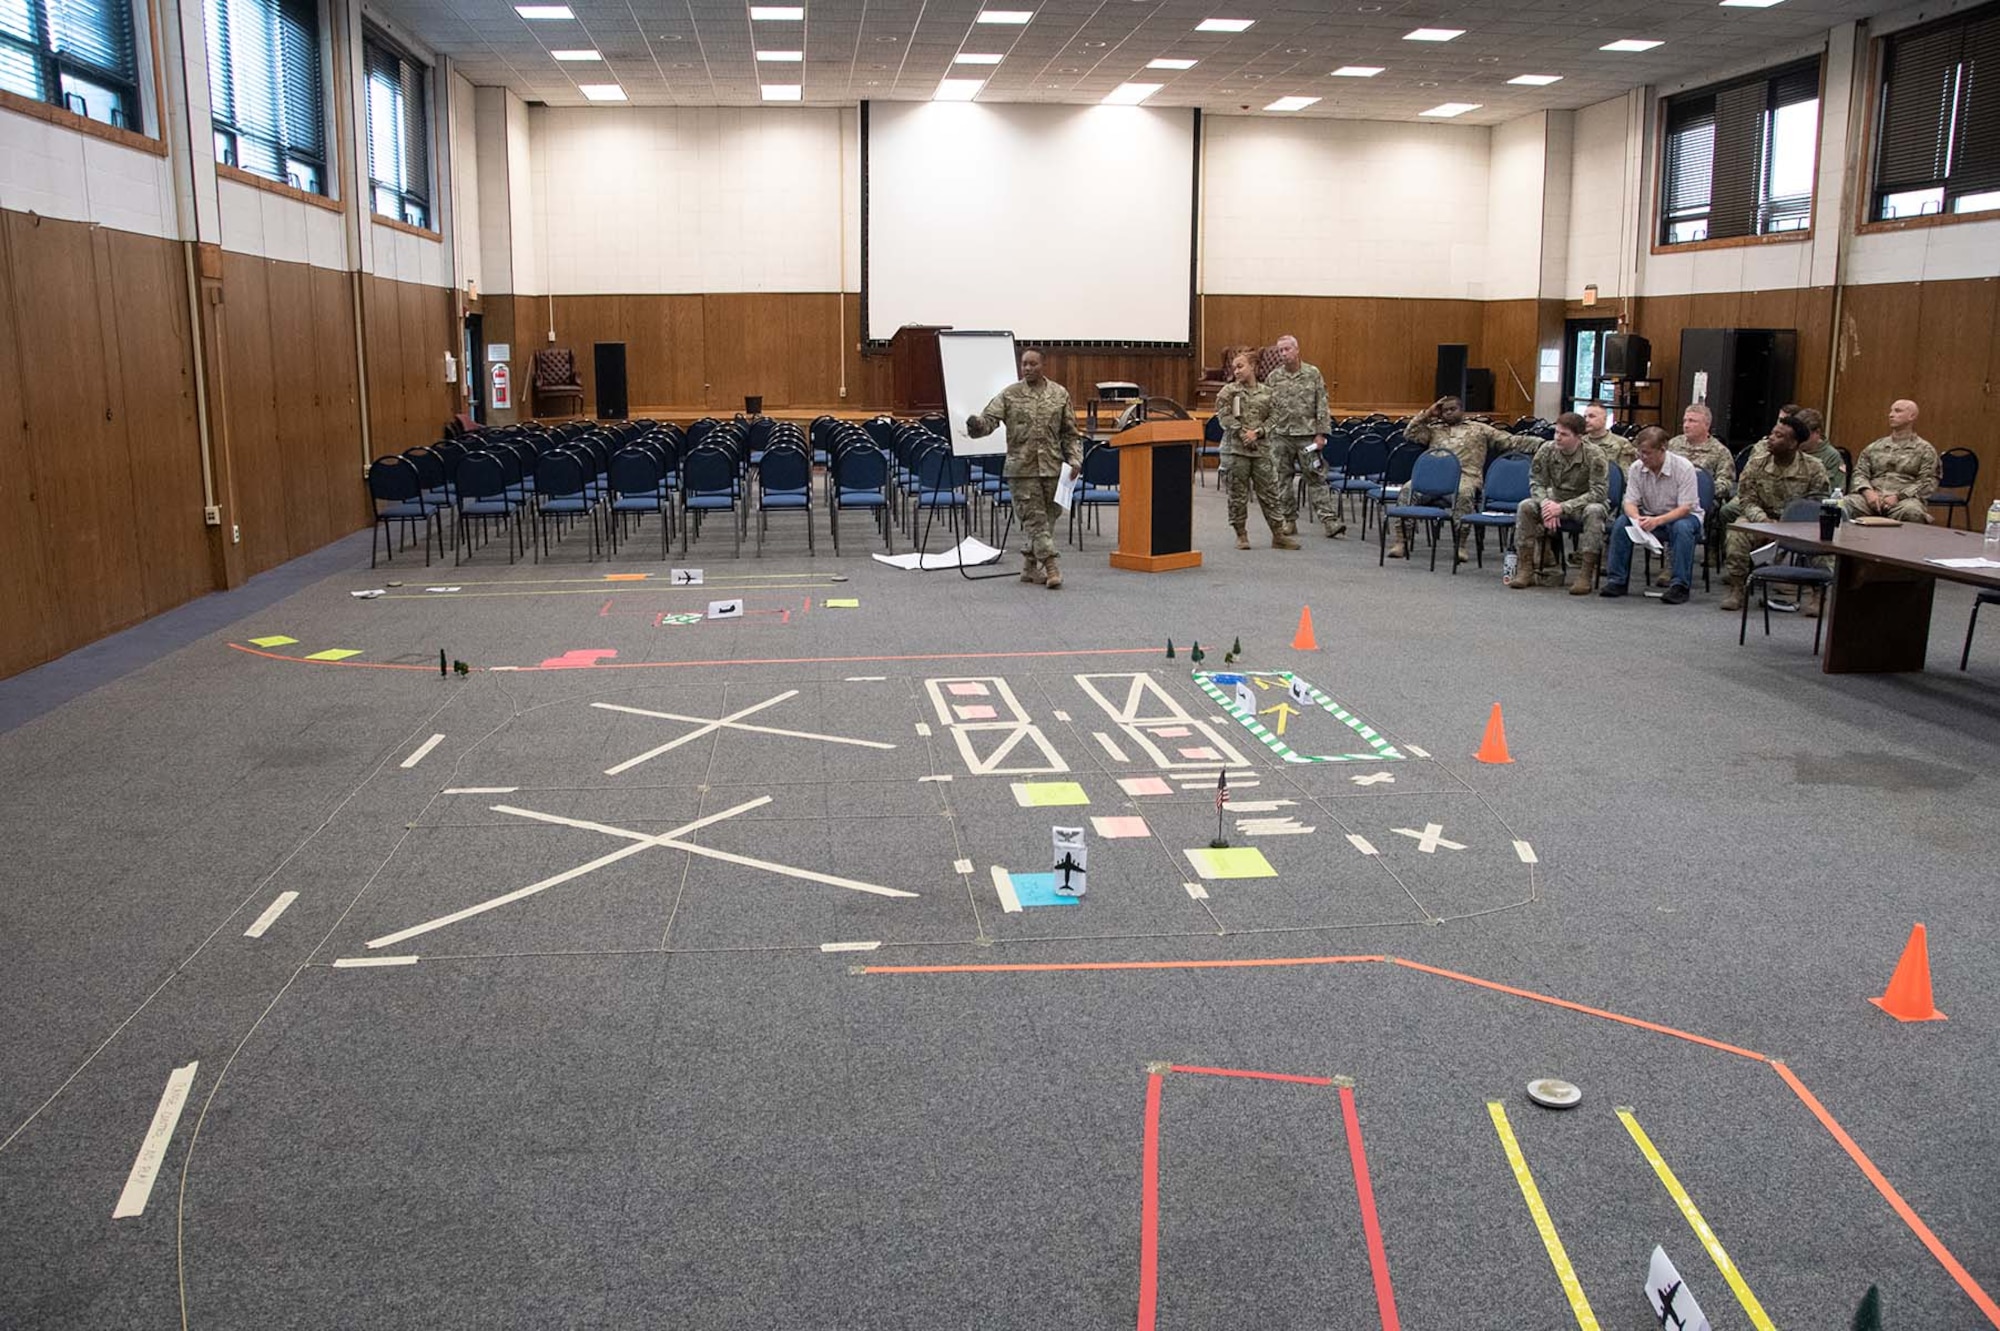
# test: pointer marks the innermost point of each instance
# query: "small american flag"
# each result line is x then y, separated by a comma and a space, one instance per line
1222, 788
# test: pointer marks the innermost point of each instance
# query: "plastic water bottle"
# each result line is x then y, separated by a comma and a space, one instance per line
1993, 530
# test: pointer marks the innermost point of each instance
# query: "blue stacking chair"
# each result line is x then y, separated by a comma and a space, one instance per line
859, 478
1395, 475
1211, 447
1096, 487
1508, 480
1427, 498
1795, 569
396, 487
637, 482
1614, 504
562, 491
1958, 471
1361, 470
784, 485
943, 485
708, 485
1965, 653
486, 495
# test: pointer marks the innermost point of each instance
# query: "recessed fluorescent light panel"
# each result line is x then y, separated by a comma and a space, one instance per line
1630, 44
1013, 16
1447, 110
1357, 71
1131, 94
1171, 64
1536, 80
576, 55
958, 90
1291, 104
776, 13
1434, 34
969, 58
544, 11
602, 92
783, 92
1223, 24
787, 56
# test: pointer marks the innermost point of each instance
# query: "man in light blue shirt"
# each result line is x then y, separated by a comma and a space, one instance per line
1661, 497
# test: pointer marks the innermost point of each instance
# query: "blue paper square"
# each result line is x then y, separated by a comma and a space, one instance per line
1039, 889
1227, 680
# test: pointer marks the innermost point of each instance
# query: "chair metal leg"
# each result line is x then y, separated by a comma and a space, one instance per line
1965, 653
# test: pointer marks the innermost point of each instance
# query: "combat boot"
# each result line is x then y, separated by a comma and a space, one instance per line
1335, 529
1526, 561
1242, 538
1031, 569
1396, 548
1732, 599
1586, 573
1291, 527
1460, 555
1280, 541
1053, 574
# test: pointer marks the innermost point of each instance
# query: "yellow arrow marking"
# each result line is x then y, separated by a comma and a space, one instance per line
1285, 713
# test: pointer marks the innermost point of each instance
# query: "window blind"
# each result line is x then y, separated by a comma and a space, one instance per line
1721, 150
399, 167
265, 87
1938, 117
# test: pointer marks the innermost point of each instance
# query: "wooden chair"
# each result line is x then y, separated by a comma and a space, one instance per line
554, 379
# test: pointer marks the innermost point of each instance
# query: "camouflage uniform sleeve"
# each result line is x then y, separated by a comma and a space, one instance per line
1541, 484
1600, 486
1818, 484
1418, 431
1322, 412
1864, 468
1068, 437
1725, 474
1750, 494
1229, 409
987, 421
1925, 484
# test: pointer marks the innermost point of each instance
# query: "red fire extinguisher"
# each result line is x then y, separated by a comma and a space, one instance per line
503, 388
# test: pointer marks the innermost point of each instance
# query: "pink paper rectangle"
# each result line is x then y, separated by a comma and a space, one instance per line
1120, 827
967, 690
1171, 732
967, 712
1201, 754
1144, 785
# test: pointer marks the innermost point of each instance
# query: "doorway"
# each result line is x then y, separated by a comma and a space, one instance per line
474, 361
1583, 363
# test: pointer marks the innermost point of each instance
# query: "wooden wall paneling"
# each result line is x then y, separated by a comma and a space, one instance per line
868, 386
1954, 349
497, 325
813, 327
382, 341
1878, 360
335, 405
148, 280
1659, 319
300, 485
1507, 344
737, 355
251, 404
581, 323
684, 355
27, 605
84, 482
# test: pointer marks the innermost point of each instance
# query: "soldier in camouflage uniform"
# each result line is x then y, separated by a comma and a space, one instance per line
1814, 445
1443, 425
1568, 481
1244, 407
1771, 479
1041, 436
1897, 473
1617, 449
1702, 448
1297, 434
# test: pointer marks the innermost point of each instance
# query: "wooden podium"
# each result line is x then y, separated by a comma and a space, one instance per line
1156, 496
916, 376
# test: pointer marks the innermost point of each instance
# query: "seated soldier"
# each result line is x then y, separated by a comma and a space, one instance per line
1661, 497
1770, 480
1568, 481
1813, 446
1617, 449
1443, 425
1699, 446
1895, 474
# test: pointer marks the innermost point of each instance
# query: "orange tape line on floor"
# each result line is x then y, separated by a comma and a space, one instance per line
1112, 965
748, 661
1895, 1199
1579, 1007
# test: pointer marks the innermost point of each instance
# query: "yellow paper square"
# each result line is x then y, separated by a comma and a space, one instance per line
275, 640
844, 603
1233, 862
334, 654
1048, 794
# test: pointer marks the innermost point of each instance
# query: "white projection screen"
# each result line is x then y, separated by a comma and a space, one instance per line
1064, 223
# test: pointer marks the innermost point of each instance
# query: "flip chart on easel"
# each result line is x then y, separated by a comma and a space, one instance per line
976, 366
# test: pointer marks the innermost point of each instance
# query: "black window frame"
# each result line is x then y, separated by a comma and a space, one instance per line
1724, 132
1936, 124
52, 60
292, 149
384, 60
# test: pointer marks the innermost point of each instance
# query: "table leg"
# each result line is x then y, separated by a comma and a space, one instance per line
1879, 620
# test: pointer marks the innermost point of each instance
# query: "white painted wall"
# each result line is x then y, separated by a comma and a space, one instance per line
523, 193
271, 226
668, 200
1602, 216
61, 173
463, 161
1514, 208
1344, 208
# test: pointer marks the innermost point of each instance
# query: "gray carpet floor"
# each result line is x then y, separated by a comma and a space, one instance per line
624, 1082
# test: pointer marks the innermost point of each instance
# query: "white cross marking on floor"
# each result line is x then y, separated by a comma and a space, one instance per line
709, 726
1429, 839
1373, 779
670, 840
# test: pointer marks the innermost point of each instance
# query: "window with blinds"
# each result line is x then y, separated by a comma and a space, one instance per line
264, 89
1937, 132
399, 134
78, 54
1739, 157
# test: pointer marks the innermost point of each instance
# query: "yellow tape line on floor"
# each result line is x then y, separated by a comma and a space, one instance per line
1586, 1320
1753, 1309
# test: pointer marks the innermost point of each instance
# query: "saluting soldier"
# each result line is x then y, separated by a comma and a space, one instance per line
1897, 473
1297, 433
1443, 425
1781, 473
1041, 436
1244, 408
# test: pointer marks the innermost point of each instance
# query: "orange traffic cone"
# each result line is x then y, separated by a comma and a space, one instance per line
1493, 748
1909, 995
1303, 640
